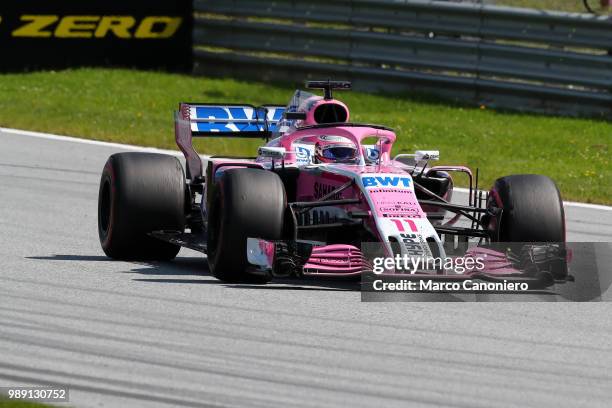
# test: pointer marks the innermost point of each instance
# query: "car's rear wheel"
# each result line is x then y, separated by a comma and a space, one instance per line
140, 193
246, 203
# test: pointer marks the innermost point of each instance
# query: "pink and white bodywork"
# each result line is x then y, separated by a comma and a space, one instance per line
335, 207
387, 202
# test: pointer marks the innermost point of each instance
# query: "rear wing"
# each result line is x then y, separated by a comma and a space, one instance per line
228, 120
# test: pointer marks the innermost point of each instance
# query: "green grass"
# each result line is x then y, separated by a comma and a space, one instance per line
136, 107
6, 403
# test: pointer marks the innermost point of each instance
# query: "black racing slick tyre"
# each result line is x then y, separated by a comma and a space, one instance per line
531, 209
246, 203
140, 193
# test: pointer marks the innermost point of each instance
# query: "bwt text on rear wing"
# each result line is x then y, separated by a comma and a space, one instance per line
209, 120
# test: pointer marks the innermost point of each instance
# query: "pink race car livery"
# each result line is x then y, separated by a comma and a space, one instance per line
316, 195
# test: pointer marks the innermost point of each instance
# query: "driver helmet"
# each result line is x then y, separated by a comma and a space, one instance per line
335, 149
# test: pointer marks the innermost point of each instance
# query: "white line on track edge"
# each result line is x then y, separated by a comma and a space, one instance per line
60, 138
50, 136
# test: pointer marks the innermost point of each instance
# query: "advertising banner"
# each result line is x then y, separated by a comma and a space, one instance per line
41, 34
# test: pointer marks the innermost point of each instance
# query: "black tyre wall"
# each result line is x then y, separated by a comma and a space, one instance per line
140, 193
532, 209
245, 203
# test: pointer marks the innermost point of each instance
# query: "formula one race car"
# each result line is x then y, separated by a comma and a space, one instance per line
320, 188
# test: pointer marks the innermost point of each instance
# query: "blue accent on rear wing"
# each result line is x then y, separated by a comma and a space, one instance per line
234, 120
221, 120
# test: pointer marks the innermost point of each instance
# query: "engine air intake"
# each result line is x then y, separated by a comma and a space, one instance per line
330, 113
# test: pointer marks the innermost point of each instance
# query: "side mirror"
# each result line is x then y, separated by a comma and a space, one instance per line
272, 152
422, 155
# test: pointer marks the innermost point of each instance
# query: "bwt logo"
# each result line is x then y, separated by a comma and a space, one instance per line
372, 154
236, 118
386, 181
302, 153
124, 27
228, 113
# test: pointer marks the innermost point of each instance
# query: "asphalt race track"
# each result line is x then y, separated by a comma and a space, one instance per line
168, 334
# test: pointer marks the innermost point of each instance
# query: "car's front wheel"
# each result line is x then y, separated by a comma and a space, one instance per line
531, 210
246, 203
530, 222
